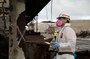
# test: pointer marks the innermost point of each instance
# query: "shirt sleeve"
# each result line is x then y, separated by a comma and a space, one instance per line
70, 36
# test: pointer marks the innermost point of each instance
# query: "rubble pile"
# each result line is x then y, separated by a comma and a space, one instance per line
84, 34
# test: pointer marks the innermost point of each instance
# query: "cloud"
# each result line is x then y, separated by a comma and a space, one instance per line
78, 9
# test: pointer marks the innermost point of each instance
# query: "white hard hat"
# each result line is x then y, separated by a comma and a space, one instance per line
63, 14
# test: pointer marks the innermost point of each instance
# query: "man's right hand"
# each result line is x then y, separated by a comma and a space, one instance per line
55, 45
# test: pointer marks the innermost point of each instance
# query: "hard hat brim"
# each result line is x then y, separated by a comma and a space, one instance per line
62, 17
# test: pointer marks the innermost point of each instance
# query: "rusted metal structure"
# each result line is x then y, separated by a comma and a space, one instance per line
33, 7
34, 46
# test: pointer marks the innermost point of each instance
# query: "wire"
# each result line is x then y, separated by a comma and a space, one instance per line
51, 13
51, 8
22, 35
46, 13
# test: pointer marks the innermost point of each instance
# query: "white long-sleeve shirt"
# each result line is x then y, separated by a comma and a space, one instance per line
67, 39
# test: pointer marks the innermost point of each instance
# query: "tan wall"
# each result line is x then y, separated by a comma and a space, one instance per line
79, 25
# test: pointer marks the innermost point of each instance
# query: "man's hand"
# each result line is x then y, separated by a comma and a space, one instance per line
55, 45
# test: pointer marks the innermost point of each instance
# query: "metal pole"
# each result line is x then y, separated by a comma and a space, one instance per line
13, 31
36, 23
51, 10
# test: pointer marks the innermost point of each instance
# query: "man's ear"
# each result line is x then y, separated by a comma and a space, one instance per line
68, 21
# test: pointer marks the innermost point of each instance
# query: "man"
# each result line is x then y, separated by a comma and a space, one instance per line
66, 39
55, 34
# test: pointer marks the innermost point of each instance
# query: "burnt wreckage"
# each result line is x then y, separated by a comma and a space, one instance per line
33, 44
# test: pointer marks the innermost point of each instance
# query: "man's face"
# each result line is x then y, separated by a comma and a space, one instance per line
64, 20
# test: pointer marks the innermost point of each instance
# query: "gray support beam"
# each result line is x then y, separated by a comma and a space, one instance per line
13, 31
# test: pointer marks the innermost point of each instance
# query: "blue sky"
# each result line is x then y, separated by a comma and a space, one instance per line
77, 9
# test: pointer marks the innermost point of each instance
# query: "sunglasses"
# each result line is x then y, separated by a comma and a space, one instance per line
62, 18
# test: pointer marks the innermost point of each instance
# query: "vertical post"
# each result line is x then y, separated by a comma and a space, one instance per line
36, 23
13, 30
51, 10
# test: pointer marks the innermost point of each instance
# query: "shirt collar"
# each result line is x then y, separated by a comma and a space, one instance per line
67, 24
